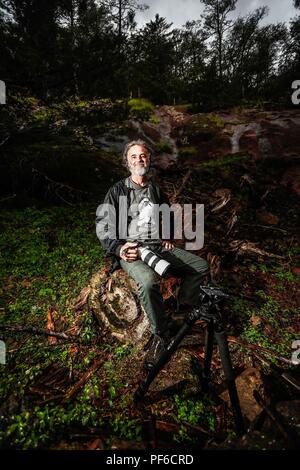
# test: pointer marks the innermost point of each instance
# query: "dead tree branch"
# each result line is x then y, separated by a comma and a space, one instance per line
35, 330
255, 347
75, 389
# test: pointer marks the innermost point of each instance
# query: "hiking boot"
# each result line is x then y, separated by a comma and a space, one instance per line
184, 308
157, 348
160, 342
171, 329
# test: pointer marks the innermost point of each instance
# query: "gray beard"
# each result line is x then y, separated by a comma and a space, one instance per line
139, 171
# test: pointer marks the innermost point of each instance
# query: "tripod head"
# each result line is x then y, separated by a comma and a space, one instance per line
213, 295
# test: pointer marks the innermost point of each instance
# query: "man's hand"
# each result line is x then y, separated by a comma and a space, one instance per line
129, 252
168, 244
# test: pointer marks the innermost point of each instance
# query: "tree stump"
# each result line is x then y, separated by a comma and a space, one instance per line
115, 302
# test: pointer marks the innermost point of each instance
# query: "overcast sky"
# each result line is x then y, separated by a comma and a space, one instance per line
180, 11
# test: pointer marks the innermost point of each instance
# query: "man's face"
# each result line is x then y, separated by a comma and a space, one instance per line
138, 160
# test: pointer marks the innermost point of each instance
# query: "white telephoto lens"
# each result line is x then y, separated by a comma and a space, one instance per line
159, 265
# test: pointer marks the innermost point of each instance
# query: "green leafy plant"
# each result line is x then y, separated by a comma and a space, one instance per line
194, 412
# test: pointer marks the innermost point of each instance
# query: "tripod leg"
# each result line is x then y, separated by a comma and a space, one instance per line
163, 359
209, 345
227, 366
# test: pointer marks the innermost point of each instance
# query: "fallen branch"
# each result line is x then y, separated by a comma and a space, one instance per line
51, 327
7, 198
35, 330
197, 429
283, 374
267, 227
244, 247
5, 140
174, 428
57, 183
75, 389
273, 416
221, 198
49, 400
255, 347
82, 298
182, 186
56, 186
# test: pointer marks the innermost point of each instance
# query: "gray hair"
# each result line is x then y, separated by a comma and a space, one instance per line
139, 142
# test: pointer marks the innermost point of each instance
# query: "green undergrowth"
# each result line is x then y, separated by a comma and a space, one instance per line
193, 412
47, 257
74, 111
226, 161
101, 403
208, 121
269, 324
140, 108
45, 254
60, 167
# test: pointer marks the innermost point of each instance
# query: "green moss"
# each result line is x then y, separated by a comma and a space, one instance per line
154, 119
186, 152
216, 120
140, 108
163, 147
225, 161
201, 121
39, 116
48, 256
283, 274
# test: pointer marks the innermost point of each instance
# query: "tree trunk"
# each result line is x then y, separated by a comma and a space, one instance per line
220, 40
74, 65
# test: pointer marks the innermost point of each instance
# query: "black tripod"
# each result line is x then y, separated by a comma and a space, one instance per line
210, 312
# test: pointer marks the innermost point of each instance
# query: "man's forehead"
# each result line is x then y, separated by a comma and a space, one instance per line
137, 149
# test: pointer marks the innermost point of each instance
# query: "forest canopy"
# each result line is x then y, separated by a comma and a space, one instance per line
94, 48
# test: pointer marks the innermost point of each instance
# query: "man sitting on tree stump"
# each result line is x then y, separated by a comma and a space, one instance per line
128, 222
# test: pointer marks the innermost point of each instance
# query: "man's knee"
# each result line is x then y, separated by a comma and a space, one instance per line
149, 282
203, 267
